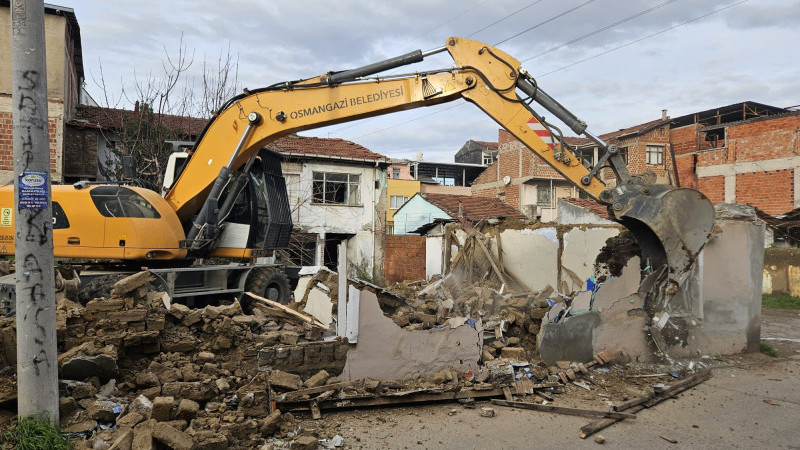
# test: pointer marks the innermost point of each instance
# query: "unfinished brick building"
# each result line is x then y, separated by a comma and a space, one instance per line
746, 153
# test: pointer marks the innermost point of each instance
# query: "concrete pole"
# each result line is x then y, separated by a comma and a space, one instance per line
37, 355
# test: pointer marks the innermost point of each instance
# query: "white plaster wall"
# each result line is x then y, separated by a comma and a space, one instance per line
581, 247
360, 254
531, 256
433, 256
336, 218
569, 214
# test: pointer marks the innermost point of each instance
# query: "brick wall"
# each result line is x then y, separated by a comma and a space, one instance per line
7, 142
771, 191
713, 187
765, 139
405, 258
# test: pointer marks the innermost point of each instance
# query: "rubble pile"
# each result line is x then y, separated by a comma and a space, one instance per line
137, 370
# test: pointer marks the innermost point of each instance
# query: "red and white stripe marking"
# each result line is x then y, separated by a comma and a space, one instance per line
542, 132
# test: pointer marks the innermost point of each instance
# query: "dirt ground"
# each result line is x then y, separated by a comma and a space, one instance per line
752, 401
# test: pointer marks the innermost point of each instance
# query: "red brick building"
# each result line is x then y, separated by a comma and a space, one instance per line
528, 183
746, 153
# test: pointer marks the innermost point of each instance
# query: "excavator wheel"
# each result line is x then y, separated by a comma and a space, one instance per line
271, 283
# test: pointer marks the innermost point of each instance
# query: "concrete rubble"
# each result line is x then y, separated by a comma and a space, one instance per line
139, 371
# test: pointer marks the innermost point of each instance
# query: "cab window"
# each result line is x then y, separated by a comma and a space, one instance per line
119, 201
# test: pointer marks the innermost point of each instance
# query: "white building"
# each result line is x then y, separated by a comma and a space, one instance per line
337, 191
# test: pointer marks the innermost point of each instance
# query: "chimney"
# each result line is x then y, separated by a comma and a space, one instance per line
663, 114
136, 106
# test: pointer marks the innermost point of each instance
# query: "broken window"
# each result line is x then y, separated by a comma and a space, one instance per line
544, 196
336, 188
655, 154
396, 201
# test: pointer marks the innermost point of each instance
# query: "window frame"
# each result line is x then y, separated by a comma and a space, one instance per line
539, 193
655, 150
352, 185
394, 197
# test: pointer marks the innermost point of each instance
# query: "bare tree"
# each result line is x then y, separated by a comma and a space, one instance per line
168, 106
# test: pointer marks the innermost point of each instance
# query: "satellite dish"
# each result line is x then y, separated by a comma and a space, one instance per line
506, 180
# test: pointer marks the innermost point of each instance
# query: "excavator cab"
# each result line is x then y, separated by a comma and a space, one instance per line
255, 218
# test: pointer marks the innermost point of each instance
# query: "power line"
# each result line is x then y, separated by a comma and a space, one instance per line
506, 17
544, 22
567, 66
600, 30
409, 121
643, 38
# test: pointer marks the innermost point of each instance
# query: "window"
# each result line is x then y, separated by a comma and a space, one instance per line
119, 201
655, 154
389, 229
336, 188
587, 155
544, 195
396, 201
60, 220
395, 173
623, 151
445, 181
487, 158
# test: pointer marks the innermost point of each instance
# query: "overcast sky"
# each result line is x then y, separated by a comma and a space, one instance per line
614, 63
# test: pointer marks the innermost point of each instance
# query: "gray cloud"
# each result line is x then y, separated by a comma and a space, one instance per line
742, 53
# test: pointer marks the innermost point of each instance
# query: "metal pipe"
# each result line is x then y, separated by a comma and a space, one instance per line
398, 61
434, 51
549, 103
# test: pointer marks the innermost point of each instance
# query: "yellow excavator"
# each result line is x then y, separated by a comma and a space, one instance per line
229, 200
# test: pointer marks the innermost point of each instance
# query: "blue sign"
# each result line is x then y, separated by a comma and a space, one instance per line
33, 189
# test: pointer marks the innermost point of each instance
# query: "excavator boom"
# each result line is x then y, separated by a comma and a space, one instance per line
672, 224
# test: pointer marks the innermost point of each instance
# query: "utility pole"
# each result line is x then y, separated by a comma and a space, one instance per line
37, 354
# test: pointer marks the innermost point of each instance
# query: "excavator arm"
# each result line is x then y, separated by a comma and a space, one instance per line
672, 224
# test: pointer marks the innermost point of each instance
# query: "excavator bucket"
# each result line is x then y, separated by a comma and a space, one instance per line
671, 225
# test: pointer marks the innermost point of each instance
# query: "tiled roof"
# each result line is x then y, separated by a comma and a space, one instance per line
619, 134
112, 118
314, 146
590, 205
475, 208
489, 145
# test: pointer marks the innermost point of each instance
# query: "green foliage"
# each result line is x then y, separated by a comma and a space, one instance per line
32, 434
767, 349
780, 301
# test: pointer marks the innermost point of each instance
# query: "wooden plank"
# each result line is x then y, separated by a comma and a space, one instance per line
288, 312
383, 401
564, 410
507, 394
490, 258
683, 385
296, 395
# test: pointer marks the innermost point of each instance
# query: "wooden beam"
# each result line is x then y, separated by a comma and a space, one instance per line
296, 395
564, 410
276, 308
683, 385
394, 400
